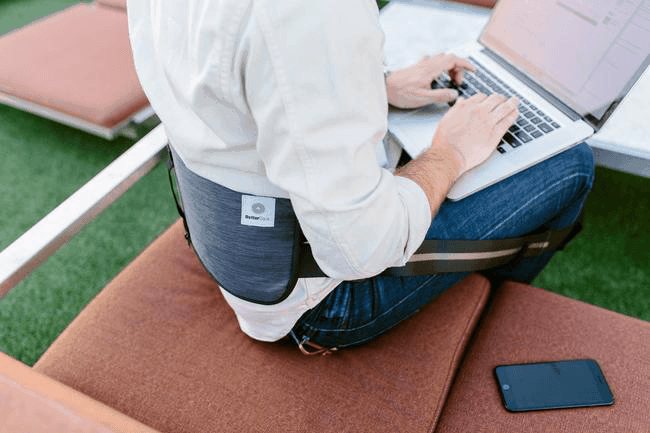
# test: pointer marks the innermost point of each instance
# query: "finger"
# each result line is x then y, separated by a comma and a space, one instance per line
506, 108
446, 62
452, 61
477, 98
457, 74
506, 122
492, 101
442, 95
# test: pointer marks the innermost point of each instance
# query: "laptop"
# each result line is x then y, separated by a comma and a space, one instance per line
570, 62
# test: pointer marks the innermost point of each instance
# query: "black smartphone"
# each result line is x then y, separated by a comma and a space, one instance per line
553, 385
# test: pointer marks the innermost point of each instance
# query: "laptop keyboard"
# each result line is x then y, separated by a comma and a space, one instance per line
532, 122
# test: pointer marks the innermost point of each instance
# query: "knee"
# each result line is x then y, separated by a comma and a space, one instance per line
585, 160
582, 165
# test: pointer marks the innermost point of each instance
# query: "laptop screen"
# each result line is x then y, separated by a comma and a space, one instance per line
587, 53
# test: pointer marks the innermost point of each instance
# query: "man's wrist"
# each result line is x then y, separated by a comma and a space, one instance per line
435, 171
456, 160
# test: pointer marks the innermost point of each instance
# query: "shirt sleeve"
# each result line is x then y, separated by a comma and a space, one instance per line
313, 79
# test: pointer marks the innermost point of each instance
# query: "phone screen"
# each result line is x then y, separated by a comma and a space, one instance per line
553, 385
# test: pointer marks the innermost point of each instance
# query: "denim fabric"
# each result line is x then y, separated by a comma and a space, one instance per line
550, 194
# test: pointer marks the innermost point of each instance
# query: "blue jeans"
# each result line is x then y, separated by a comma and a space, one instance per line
550, 194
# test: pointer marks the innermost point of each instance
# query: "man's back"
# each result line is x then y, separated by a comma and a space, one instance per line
285, 98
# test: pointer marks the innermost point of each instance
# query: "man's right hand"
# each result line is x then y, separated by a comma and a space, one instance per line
473, 127
466, 136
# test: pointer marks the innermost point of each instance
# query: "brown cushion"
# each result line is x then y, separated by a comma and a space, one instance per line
526, 324
77, 62
160, 344
119, 4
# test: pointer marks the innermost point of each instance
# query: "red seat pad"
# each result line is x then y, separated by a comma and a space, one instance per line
160, 344
525, 324
78, 62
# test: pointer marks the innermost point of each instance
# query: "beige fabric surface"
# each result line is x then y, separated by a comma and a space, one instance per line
160, 345
526, 324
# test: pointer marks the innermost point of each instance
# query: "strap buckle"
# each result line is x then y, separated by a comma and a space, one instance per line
310, 348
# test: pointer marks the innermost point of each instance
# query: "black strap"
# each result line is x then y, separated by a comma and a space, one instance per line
439, 256
179, 205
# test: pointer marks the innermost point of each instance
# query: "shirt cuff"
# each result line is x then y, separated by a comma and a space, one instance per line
419, 214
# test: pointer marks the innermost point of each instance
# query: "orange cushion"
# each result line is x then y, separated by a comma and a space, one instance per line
160, 344
525, 324
78, 62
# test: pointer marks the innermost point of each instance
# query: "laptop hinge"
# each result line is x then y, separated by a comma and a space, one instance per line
568, 111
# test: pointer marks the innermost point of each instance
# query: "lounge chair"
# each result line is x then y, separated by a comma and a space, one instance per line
75, 67
159, 350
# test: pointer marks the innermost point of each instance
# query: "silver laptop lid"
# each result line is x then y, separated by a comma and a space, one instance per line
586, 53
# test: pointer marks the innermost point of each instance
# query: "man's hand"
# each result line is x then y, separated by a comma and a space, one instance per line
467, 134
411, 87
473, 127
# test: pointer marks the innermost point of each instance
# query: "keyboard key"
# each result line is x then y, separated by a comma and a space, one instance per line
529, 128
555, 125
511, 140
536, 134
501, 149
535, 120
544, 127
522, 136
528, 114
522, 122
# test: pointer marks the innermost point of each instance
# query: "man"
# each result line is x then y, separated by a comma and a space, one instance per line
287, 99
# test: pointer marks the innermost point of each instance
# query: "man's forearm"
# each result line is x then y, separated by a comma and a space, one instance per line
435, 171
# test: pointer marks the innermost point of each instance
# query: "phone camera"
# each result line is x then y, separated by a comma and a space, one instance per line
506, 387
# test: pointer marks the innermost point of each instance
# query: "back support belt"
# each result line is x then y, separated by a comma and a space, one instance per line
254, 248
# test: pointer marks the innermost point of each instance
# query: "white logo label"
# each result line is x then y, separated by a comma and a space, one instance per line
257, 211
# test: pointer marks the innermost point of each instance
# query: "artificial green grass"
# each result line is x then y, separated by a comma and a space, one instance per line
43, 162
607, 264
17, 13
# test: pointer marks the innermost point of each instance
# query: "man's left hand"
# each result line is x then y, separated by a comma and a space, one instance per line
411, 87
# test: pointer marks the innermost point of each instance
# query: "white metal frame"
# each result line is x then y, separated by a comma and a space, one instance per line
627, 160
75, 122
36, 245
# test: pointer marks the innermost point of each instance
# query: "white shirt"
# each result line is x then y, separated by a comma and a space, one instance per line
285, 98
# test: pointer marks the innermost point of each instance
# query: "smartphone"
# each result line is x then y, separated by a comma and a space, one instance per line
553, 385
